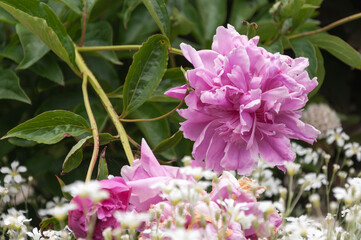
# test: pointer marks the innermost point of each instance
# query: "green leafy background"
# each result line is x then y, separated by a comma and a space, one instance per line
38, 73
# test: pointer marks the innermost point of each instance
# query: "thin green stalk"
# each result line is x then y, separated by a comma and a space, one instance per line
94, 127
328, 27
156, 118
121, 48
108, 106
290, 193
83, 30
295, 201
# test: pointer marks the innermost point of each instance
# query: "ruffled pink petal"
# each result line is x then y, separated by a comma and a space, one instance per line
177, 92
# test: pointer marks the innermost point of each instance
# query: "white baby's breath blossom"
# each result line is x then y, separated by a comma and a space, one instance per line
182, 234
13, 173
353, 149
337, 135
35, 234
60, 212
313, 181
90, 190
292, 168
131, 220
14, 219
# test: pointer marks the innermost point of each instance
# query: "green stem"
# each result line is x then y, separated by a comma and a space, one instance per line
156, 118
290, 193
121, 48
108, 106
83, 30
328, 27
94, 127
295, 201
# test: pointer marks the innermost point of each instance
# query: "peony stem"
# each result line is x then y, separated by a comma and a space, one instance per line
83, 30
157, 118
108, 106
121, 48
94, 127
328, 27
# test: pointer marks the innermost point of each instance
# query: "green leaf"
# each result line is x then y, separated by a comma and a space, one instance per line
266, 30
304, 48
102, 167
277, 46
243, 10
101, 34
62, 184
48, 67
337, 47
305, 13
159, 12
173, 77
320, 73
213, 14
128, 8
198, 32
50, 127
43, 22
6, 17
168, 143
21, 142
139, 27
155, 131
74, 5
75, 156
50, 224
145, 73
34, 48
10, 86
180, 24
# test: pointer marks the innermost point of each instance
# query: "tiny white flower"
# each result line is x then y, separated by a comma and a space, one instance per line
292, 168
313, 181
59, 212
132, 219
337, 135
182, 234
90, 189
13, 173
35, 234
353, 149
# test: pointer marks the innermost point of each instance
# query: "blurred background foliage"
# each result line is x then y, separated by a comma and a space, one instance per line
34, 80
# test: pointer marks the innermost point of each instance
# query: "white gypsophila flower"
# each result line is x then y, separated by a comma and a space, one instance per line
14, 219
337, 135
313, 181
35, 234
182, 234
56, 202
314, 198
266, 207
196, 172
60, 212
186, 160
298, 149
131, 220
4, 194
302, 228
310, 157
13, 173
292, 168
91, 189
322, 117
353, 149
265, 178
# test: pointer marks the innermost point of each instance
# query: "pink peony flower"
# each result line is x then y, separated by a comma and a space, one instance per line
246, 101
119, 194
143, 174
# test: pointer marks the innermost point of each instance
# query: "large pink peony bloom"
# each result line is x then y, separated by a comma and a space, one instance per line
144, 174
246, 101
119, 194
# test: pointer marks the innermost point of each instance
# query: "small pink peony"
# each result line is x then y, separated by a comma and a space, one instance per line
246, 101
143, 174
119, 194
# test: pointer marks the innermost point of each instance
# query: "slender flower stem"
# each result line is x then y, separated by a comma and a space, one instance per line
83, 30
108, 106
94, 127
328, 27
290, 193
121, 48
157, 118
